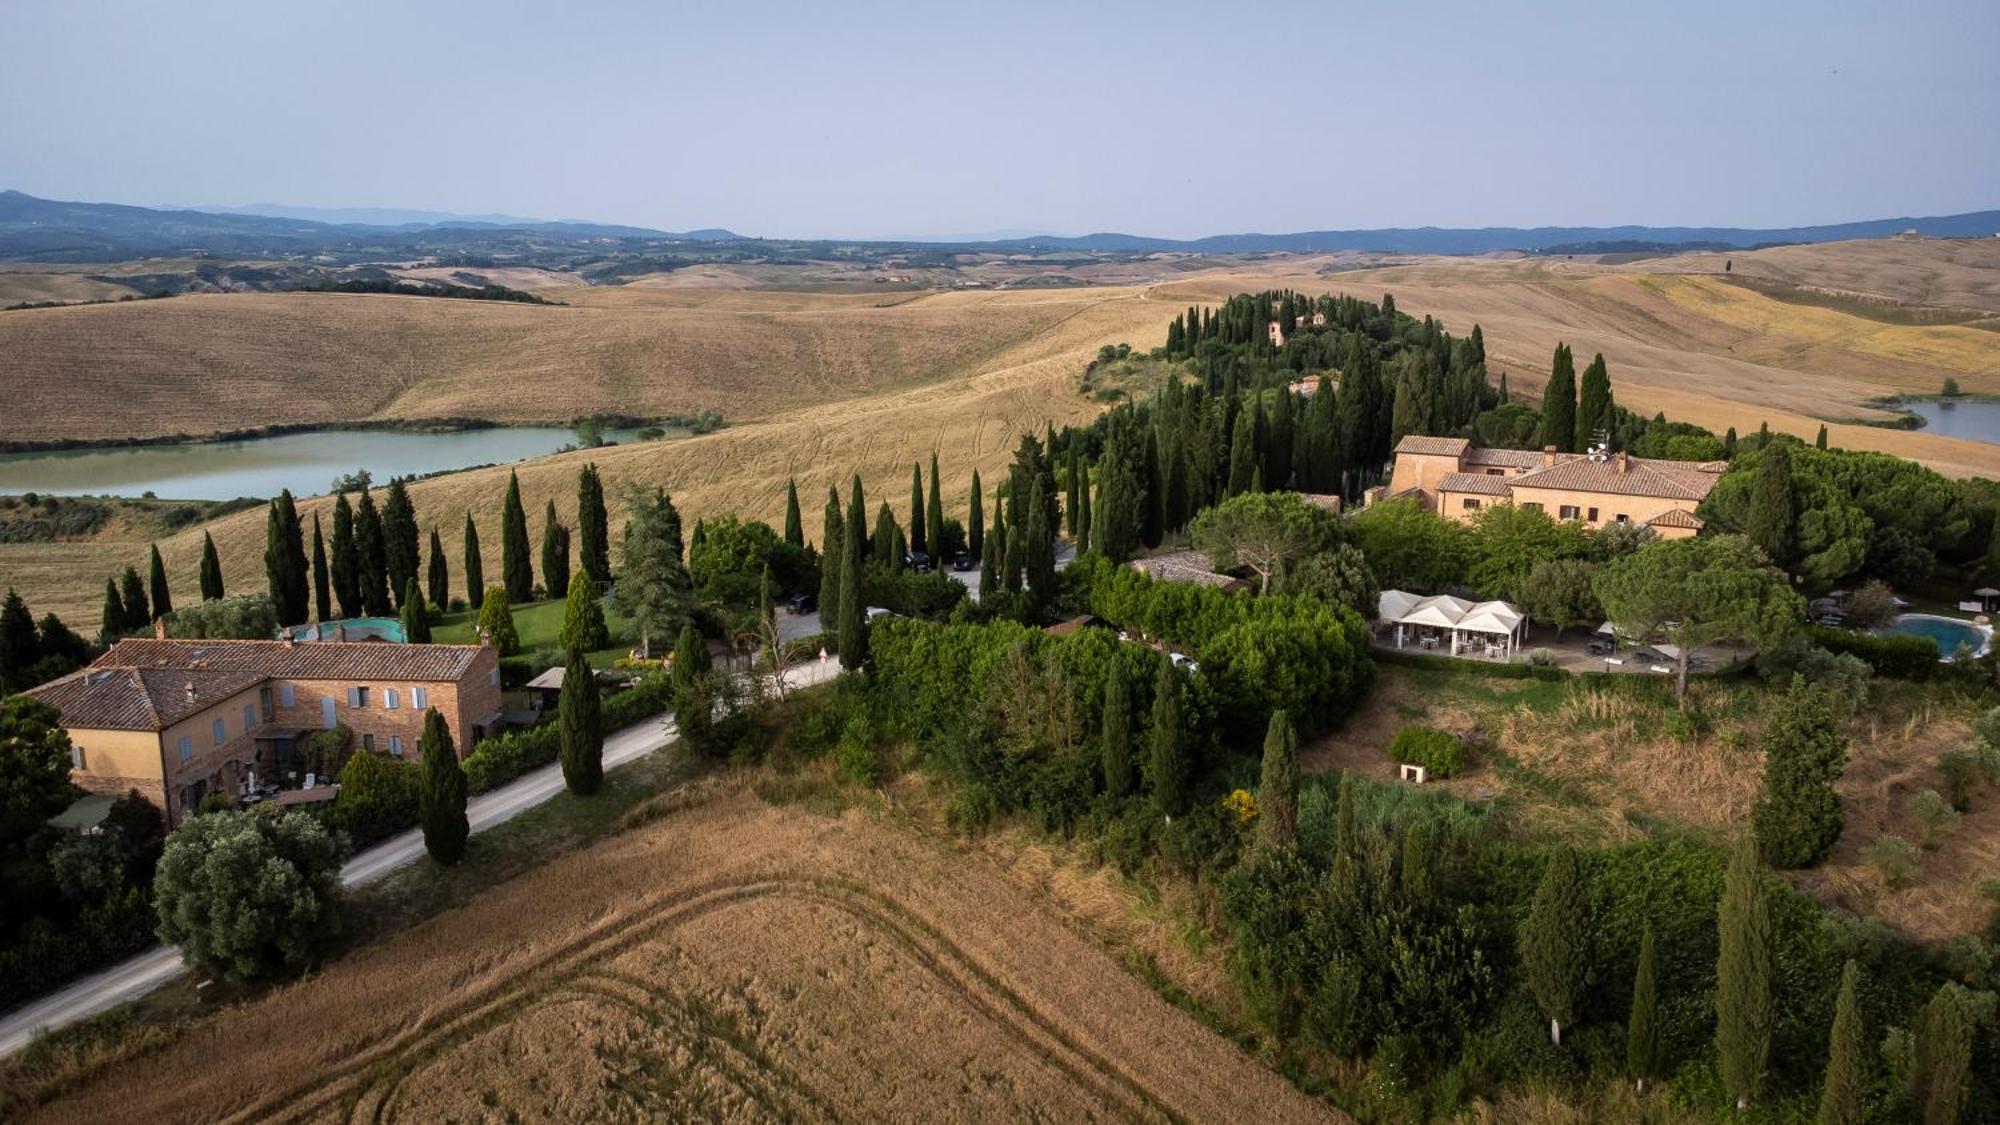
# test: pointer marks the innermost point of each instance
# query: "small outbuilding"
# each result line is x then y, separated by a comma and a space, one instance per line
1465, 625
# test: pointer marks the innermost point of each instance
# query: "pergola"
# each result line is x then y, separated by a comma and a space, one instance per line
1458, 617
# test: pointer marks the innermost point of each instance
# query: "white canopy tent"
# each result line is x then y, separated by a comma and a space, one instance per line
1459, 618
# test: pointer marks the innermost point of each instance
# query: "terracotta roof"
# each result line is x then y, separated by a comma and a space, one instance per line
318, 660
1669, 480
1182, 566
99, 698
1327, 500
1675, 517
1433, 446
1483, 483
1511, 458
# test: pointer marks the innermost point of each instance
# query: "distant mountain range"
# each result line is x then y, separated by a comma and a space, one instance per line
52, 230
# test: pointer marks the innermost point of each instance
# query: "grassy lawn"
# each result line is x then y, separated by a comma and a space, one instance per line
537, 623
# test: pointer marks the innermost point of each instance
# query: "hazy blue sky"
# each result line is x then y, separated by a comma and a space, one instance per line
858, 119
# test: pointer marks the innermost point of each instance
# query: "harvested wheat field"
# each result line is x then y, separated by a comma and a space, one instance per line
733, 962
210, 363
972, 418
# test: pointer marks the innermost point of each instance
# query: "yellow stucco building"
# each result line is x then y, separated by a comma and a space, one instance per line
1457, 480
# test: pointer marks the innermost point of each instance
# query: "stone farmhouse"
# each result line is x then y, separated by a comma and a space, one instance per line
1456, 480
177, 720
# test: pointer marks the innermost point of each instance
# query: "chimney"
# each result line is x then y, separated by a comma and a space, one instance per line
1548, 456
189, 688
1624, 461
159, 628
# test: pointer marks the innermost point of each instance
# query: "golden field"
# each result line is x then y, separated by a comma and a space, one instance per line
731, 962
818, 384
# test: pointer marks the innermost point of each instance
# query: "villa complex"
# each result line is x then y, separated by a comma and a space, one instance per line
177, 720
1457, 480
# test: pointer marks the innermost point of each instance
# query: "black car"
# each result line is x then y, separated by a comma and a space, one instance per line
917, 561
802, 604
961, 562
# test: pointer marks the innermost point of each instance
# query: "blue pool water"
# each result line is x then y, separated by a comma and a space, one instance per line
1950, 633
354, 629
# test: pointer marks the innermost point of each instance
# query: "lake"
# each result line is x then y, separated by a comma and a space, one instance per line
1974, 421
306, 463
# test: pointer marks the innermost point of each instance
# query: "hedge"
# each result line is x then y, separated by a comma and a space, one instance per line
1436, 663
505, 757
1439, 752
1899, 657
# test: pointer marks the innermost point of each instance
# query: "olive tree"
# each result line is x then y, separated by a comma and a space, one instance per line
248, 896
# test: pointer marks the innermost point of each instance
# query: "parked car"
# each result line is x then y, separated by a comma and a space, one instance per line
1183, 661
961, 562
1601, 648
917, 561
802, 604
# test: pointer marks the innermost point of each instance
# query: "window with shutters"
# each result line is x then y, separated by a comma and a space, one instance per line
249, 715
389, 699
368, 742
287, 694
187, 748
357, 697
1592, 516
220, 731
76, 757
396, 745
420, 698
1567, 511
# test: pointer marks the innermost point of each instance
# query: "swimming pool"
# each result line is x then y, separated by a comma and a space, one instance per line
353, 629
1950, 633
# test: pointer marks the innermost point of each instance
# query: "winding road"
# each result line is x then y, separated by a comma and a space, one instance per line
129, 980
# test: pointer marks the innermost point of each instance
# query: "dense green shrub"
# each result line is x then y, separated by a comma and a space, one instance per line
247, 896
1900, 657
504, 757
1441, 753
379, 797
244, 617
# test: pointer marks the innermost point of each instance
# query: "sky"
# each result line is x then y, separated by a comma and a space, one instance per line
867, 120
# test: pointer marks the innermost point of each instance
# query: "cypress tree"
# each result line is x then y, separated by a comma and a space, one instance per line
517, 573
322, 581
1729, 444
1840, 1097
496, 621
416, 614
156, 580
285, 560
211, 569
475, 573
1593, 405
372, 552
1013, 558
994, 561
1038, 550
1083, 519
345, 565
114, 614
1797, 817
132, 592
20, 648
399, 538
852, 613
1559, 402
1820, 441
1168, 775
975, 527
1505, 397
440, 574
919, 536
583, 619
1555, 942
934, 515
884, 539
1243, 459
555, 553
1642, 1028
1152, 513
1278, 789
442, 799
1072, 464
1115, 746
1115, 521
593, 533
579, 714
694, 704
1743, 976
1772, 523
832, 555
1940, 1080
795, 530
